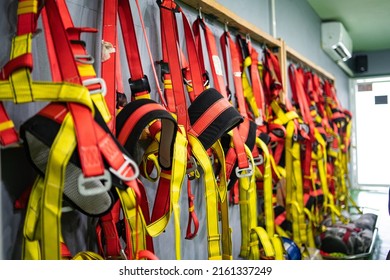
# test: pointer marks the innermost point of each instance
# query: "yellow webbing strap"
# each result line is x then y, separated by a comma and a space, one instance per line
133, 215
252, 235
268, 202
310, 233
178, 174
298, 197
294, 209
267, 185
27, 7
62, 149
176, 181
43, 217
30, 247
278, 247
227, 246
211, 195
88, 255
248, 208
247, 88
259, 237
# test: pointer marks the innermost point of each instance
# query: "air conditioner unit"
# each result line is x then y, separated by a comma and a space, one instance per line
336, 41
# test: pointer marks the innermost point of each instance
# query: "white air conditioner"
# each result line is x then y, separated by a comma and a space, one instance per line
336, 41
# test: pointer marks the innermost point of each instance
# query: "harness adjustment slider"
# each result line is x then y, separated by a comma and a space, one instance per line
87, 189
140, 85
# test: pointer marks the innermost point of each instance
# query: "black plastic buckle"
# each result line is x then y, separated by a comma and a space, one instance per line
139, 85
164, 69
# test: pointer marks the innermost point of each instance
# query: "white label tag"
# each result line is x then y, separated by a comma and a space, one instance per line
217, 65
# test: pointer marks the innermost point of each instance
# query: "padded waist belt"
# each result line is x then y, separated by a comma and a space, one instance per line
137, 115
93, 196
211, 116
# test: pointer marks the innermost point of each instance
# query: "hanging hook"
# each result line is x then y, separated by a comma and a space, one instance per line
248, 38
226, 26
200, 13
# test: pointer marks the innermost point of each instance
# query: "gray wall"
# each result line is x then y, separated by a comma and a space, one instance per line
296, 23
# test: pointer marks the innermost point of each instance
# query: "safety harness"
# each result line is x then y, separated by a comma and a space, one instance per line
72, 119
209, 117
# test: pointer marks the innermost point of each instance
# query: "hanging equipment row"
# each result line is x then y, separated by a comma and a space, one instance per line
221, 119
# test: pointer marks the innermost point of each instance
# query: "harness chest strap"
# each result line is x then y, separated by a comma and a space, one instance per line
109, 65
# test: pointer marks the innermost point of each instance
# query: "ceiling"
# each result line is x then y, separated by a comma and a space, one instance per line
366, 21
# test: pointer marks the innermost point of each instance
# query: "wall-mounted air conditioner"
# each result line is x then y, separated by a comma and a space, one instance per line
336, 41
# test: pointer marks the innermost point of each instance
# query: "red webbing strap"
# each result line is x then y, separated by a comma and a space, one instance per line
257, 87
194, 61
166, 76
169, 35
299, 95
27, 22
318, 97
8, 133
228, 44
109, 67
54, 67
272, 79
90, 157
215, 63
22, 61
112, 246
132, 51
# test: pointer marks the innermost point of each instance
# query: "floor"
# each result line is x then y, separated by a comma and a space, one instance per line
376, 200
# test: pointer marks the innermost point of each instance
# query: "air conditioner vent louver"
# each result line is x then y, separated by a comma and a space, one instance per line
342, 53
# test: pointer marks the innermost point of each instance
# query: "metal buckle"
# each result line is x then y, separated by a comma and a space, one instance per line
105, 179
191, 171
84, 58
244, 172
92, 81
128, 161
258, 160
